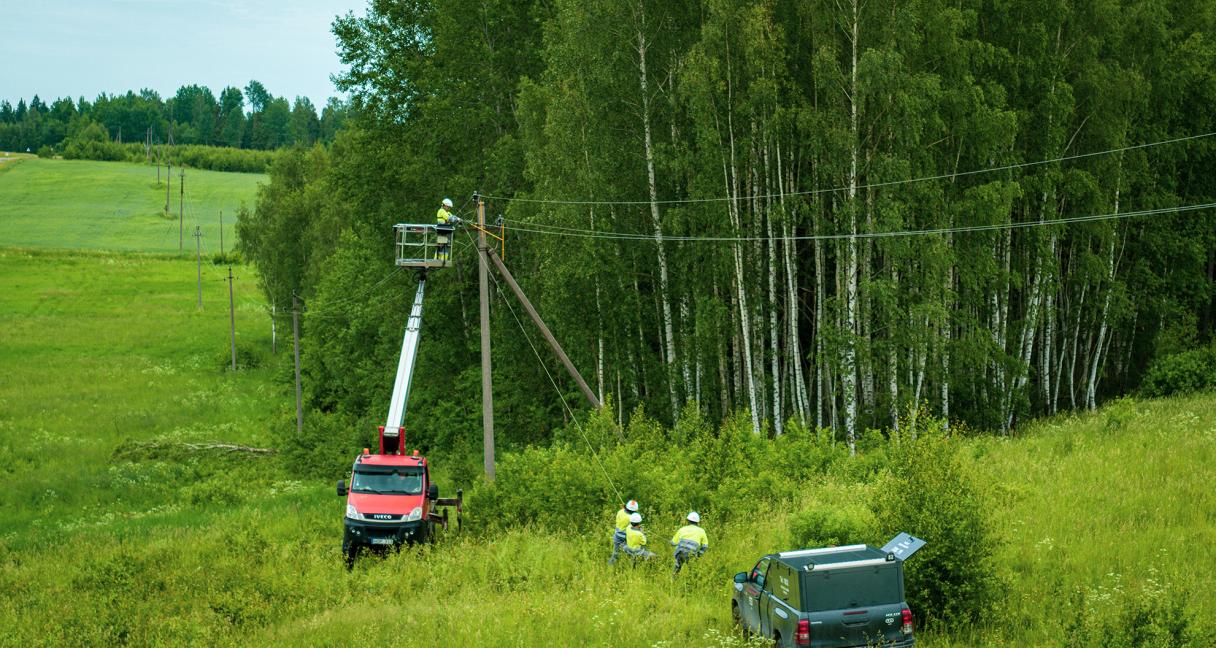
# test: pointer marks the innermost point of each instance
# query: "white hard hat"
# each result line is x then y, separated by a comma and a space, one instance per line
631, 505
635, 518
447, 202
694, 518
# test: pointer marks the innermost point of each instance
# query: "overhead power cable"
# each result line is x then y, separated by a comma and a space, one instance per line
872, 185
552, 230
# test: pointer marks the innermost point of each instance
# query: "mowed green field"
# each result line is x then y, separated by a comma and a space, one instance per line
119, 525
83, 205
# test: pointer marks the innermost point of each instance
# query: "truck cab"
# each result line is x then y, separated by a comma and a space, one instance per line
389, 502
830, 597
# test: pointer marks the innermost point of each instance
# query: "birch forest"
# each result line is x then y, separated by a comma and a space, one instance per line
834, 214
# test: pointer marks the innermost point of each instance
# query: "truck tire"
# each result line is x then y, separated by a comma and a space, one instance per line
737, 618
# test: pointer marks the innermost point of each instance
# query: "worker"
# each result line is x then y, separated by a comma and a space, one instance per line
690, 541
635, 539
445, 223
622, 525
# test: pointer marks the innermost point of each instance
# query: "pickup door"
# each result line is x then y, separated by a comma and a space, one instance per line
753, 595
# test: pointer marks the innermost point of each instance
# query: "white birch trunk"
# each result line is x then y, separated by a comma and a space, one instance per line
668, 328
848, 369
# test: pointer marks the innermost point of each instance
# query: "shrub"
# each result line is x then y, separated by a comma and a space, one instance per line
933, 496
827, 524
1181, 373
46, 152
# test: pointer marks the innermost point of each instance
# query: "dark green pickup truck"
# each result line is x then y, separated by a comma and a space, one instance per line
833, 597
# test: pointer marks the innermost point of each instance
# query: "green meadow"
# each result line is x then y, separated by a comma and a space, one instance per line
126, 519
83, 205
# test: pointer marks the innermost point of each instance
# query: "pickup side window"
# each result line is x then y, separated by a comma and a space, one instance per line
760, 572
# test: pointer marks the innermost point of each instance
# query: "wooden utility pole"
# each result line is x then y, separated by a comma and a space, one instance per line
487, 394
544, 330
181, 212
231, 318
168, 170
295, 337
198, 246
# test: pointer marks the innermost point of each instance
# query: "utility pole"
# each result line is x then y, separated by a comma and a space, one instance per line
181, 211
295, 336
231, 318
168, 180
487, 394
198, 245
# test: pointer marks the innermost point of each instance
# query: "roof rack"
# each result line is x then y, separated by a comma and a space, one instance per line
869, 562
803, 553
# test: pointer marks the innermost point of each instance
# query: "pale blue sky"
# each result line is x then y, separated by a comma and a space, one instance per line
56, 48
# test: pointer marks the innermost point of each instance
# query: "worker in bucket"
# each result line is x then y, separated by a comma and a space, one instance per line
635, 539
622, 525
445, 225
690, 541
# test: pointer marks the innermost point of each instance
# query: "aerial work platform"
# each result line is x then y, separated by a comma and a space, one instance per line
423, 245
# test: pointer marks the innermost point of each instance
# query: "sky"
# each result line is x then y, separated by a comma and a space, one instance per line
58, 48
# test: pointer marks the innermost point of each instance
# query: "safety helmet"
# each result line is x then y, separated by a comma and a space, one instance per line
635, 518
694, 518
447, 202
632, 505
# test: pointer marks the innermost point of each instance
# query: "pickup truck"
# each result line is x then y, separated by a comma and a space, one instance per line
830, 597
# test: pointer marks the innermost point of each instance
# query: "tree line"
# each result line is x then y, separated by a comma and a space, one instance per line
710, 198
251, 118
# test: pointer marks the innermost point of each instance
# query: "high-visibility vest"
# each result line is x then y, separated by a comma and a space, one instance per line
622, 520
635, 540
692, 533
442, 216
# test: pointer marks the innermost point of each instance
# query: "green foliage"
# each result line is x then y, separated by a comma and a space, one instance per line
1181, 373
46, 152
91, 142
826, 524
953, 580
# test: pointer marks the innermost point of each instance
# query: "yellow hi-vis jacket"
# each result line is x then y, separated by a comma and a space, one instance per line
622, 520
691, 532
442, 216
635, 540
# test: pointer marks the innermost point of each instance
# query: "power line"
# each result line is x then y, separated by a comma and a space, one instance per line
872, 185
533, 228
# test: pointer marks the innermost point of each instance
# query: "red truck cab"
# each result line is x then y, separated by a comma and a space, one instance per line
391, 501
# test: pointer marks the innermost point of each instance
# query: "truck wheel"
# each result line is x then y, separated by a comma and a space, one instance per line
738, 619
777, 639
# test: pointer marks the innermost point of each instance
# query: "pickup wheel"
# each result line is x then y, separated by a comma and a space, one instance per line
777, 639
737, 619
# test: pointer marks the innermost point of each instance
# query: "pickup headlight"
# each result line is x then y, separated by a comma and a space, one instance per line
414, 515
352, 512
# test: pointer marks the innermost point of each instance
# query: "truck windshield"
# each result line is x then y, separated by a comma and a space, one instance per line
393, 481
851, 588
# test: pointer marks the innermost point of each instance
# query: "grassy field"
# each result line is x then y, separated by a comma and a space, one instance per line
118, 525
82, 205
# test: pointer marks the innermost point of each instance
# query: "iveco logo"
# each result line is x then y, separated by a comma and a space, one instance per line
381, 516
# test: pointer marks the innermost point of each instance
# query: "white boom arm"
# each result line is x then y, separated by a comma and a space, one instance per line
405, 366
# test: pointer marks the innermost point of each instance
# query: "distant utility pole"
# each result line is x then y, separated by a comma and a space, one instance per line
168, 169
181, 211
487, 386
231, 318
295, 337
198, 244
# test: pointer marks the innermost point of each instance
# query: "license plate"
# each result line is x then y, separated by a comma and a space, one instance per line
382, 541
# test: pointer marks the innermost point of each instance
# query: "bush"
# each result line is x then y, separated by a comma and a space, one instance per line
1181, 373
828, 524
46, 152
952, 580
